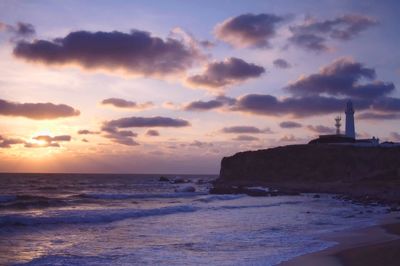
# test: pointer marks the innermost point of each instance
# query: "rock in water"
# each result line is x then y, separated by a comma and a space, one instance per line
163, 179
185, 189
180, 180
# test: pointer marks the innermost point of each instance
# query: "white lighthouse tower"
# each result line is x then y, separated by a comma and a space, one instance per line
350, 131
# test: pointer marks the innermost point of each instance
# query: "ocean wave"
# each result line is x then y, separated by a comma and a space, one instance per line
7, 198
30, 201
90, 216
119, 196
228, 207
212, 198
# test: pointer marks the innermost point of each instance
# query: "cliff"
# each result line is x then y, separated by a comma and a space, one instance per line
371, 172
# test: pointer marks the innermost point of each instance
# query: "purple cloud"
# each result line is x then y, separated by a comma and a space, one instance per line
137, 52
20, 30
387, 104
203, 105
281, 63
37, 111
249, 30
8, 142
152, 133
218, 102
341, 78
157, 121
87, 132
264, 104
121, 103
124, 137
245, 130
46, 145
200, 144
225, 73
245, 138
290, 124
378, 116
313, 35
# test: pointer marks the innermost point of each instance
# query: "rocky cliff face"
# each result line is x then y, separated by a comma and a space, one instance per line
359, 171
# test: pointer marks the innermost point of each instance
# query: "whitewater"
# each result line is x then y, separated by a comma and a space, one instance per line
76, 219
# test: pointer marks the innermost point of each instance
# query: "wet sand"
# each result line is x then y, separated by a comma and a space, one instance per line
376, 245
385, 254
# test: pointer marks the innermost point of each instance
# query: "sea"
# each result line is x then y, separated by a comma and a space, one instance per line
113, 219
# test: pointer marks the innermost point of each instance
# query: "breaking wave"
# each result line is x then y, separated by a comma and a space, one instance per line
90, 216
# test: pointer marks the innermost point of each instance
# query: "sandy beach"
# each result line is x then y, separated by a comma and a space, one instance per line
376, 245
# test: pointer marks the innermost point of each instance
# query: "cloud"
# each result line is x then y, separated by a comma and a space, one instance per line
264, 104
40, 145
320, 129
136, 53
218, 102
225, 73
37, 111
248, 30
310, 42
121, 103
157, 121
8, 142
321, 93
186, 37
200, 144
281, 63
203, 105
245, 129
20, 30
245, 138
124, 137
387, 104
313, 35
87, 132
47, 138
341, 78
152, 133
289, 138
378, 116
290, 124
48, 141
395, 136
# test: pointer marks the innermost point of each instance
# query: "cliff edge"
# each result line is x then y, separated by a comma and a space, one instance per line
370, 172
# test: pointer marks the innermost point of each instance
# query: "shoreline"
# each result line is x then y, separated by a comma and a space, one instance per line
374, 245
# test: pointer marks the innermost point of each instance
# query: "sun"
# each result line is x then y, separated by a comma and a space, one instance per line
41, 142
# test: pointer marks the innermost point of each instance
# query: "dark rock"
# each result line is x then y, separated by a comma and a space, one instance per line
163, 179
316, 196
180, 180
363, 175
186, 189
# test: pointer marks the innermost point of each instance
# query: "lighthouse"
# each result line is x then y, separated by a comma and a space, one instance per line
350, 131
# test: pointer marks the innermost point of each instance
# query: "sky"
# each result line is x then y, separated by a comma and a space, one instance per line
174, 86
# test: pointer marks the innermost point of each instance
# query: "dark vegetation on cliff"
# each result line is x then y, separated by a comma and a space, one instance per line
368, 173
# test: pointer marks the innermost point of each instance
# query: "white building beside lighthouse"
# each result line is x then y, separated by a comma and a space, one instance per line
350, 130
